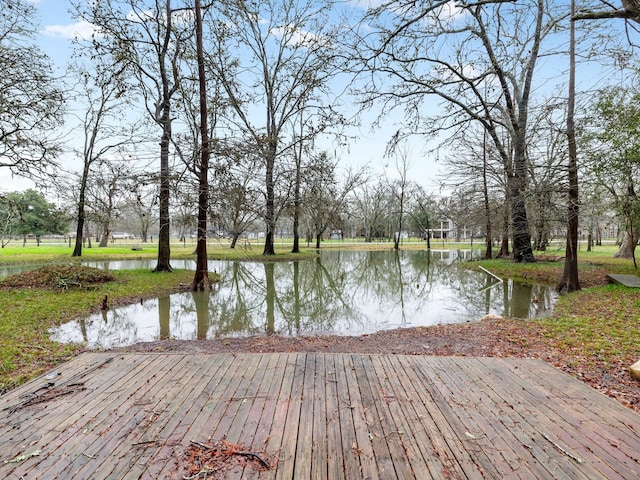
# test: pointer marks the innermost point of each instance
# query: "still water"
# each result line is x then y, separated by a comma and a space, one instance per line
344, 293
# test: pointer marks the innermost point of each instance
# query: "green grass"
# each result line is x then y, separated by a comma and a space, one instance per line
599, 324
61, 253
26, 315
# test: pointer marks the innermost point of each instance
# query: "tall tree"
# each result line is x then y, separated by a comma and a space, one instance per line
31, 100
201, 278
102, 133
273, 60
146, 39
570, 281
459, 54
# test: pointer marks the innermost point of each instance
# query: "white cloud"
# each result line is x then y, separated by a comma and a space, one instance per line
80, 30
297, 37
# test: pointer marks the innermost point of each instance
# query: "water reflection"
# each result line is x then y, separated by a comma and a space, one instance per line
347, 293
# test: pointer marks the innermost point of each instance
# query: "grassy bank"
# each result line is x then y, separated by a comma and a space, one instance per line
592, 330
27, 314
61, 253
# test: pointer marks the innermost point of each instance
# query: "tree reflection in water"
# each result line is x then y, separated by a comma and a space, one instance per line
348, 293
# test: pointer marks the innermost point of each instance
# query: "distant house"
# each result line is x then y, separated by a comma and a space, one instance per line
447, 229
122, 236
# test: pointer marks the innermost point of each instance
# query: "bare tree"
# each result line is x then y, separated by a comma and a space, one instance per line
326, 196
459, 54
106, 187
146, 40
570, 281
201, 278
399, 190
32, 102
140, 203
272, 57
102, 131
236, 194
370, 208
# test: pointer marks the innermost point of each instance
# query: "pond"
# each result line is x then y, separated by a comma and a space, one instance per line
343, 293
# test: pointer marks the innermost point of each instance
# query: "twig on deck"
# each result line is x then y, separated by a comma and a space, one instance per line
256, 456
50, 395
205, 471
147, 442
560, 449
231, 451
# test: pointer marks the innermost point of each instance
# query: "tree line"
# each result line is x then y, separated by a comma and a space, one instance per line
237, 112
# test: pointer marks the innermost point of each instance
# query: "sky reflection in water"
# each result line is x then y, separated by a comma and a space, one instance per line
345, 293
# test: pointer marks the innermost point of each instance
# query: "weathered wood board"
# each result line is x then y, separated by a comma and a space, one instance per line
632, 281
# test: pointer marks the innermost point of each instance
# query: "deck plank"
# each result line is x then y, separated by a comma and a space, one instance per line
392, 463
501, 397
214, 381
290, 410
324, 416
91, 417
169, 424
410, 421
455, 462
361, 437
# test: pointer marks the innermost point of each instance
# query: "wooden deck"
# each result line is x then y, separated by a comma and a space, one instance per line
322, 416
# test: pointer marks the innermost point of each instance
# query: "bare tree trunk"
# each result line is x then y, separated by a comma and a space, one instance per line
234, 240
628, 246
504, 242
88, 235
270, 214
77, 250
201, 278
164, 238
106, 233
488, 254
522, 251
570, 281
296, 196
164, 232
